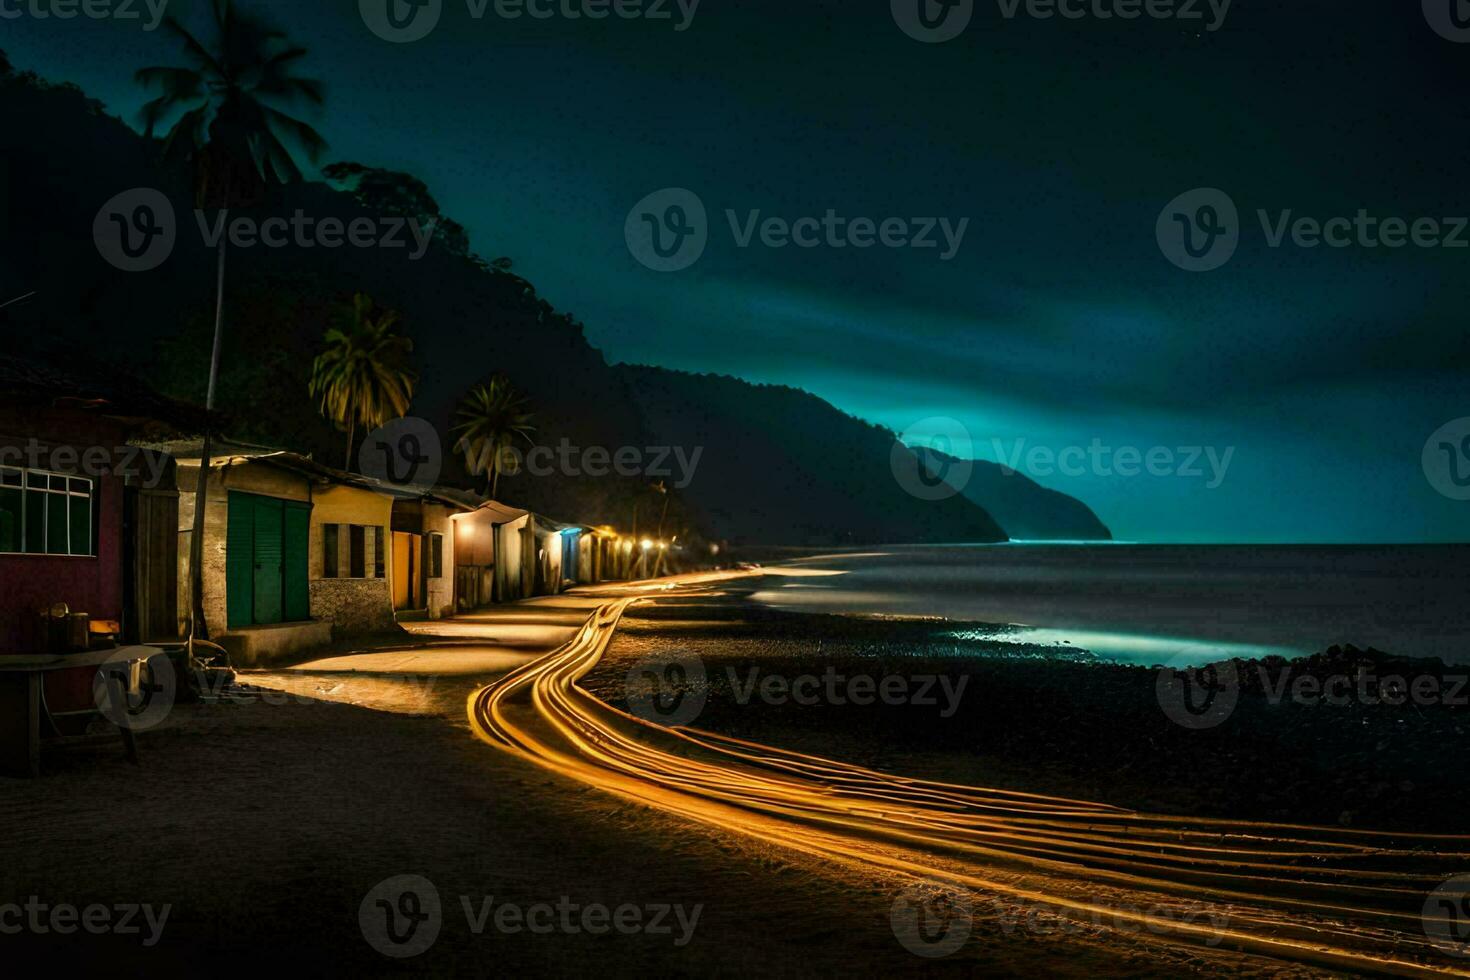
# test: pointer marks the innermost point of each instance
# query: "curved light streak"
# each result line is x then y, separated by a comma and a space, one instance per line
1335, 897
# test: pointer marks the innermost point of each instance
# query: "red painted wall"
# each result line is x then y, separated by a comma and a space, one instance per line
90, 585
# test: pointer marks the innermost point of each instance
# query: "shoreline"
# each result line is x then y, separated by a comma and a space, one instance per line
1091, 729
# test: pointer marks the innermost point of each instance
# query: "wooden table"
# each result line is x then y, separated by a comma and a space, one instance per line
24, 717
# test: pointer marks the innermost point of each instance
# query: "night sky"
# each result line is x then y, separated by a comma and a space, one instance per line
1059, 321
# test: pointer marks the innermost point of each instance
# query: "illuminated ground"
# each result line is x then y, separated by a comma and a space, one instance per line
265, 822
1331, 897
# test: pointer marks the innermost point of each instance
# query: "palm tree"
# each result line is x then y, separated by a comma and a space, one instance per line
489, 419
363, 374
230, 99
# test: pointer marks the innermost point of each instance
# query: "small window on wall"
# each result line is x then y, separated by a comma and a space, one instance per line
45, 513
330, 543
436, 556
357, 550
379, 554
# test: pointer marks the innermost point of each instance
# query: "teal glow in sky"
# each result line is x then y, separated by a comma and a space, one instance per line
1059, 323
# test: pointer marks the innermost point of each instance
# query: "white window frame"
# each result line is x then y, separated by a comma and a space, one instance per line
26, 489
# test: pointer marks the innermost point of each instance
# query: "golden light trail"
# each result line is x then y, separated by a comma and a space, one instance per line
1334, 897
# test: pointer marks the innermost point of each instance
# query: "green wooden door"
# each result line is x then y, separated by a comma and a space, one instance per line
295, 544
240, 561
266, 580
269, 561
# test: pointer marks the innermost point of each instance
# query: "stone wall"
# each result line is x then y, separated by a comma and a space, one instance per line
441, 588
352, 605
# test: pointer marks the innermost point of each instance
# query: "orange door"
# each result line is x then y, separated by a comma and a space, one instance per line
402, 570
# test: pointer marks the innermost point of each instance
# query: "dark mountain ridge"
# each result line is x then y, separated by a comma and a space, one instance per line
775, 465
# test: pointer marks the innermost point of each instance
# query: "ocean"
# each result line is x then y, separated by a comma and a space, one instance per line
1179, 605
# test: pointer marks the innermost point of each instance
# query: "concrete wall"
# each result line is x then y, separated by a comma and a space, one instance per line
352, 605
510, 564
257, 478
549, 547
441, 588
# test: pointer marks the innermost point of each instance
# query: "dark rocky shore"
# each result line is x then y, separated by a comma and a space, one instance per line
1346, 737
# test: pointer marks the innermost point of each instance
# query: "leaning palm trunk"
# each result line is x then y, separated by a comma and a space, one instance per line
198, 626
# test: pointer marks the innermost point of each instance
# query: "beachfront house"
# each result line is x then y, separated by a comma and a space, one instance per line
489, 550
504, 554
87, 518
296, 552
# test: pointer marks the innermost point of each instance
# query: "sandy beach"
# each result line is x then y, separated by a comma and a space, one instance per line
263, 824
